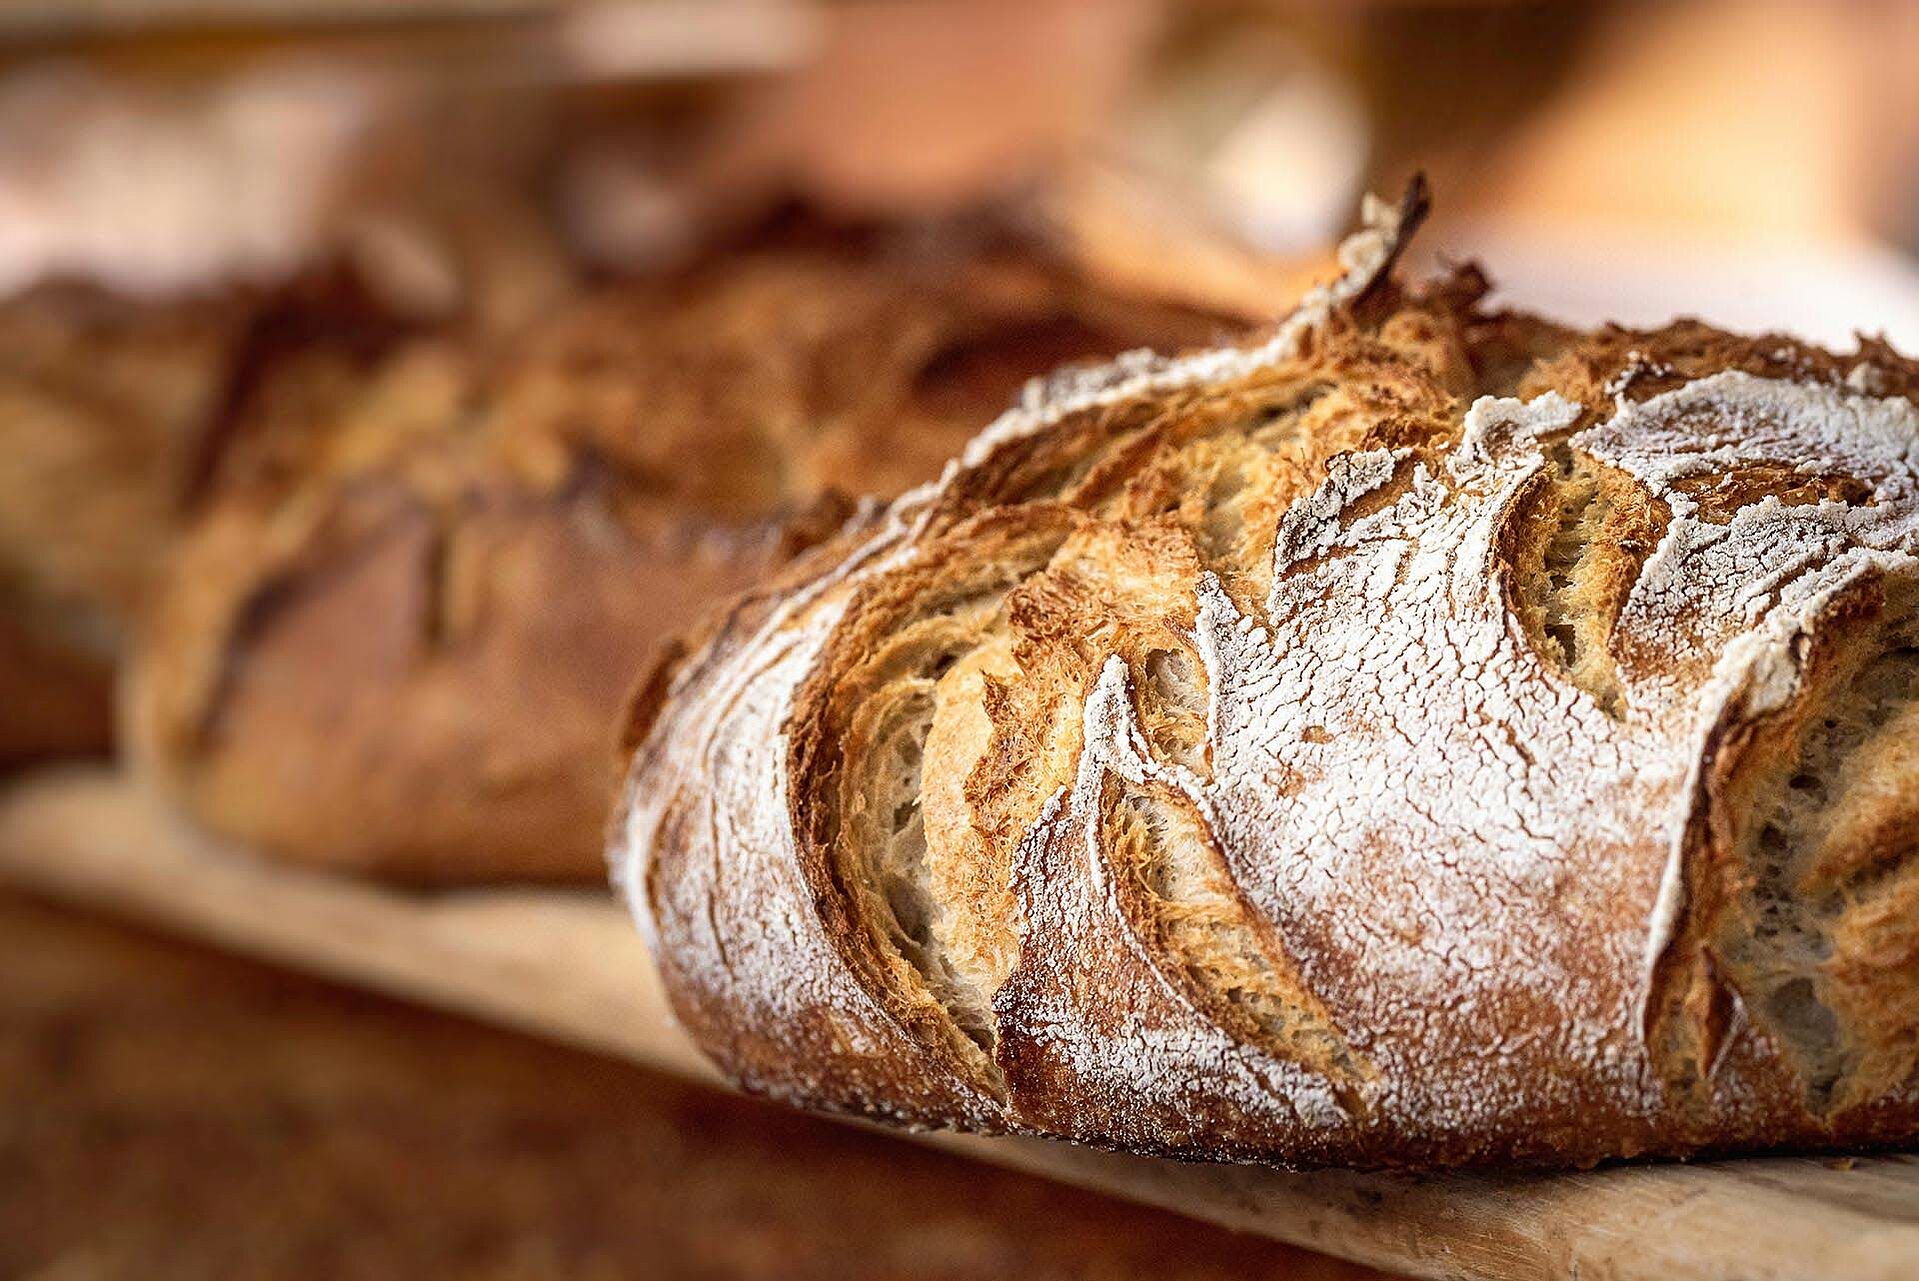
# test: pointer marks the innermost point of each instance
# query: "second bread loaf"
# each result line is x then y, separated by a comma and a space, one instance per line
397, 646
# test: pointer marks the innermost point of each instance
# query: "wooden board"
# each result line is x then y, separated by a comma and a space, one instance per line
570, 965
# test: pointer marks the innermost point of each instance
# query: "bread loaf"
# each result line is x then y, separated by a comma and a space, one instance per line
104, 405
1432, 737
118, 410
399, 650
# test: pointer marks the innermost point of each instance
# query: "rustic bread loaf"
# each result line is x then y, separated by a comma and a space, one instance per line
1432, 737
396, 650
117, 410
103, 404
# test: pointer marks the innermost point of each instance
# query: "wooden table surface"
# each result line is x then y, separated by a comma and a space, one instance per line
171, 1111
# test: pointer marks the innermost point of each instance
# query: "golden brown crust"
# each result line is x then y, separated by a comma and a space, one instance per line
392, 646
1432, 738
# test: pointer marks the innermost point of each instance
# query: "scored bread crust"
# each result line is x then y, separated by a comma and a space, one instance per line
1431, 737
391, 641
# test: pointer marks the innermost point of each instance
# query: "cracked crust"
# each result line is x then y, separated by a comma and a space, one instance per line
393, 647
1429, 738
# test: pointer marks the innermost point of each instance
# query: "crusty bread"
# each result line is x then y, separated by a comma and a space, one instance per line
1433, 737
396, 648
117, 412
104, 406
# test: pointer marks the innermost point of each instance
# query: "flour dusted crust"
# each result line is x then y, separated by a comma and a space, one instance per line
1430, 737
392, 641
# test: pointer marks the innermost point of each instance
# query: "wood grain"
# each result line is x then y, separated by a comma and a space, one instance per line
570, 966
310, 1131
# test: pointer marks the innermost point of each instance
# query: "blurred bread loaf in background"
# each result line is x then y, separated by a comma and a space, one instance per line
391, 644
164, 247
104, 408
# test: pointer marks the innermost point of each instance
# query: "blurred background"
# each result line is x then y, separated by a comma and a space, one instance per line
167, 147
350, 174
